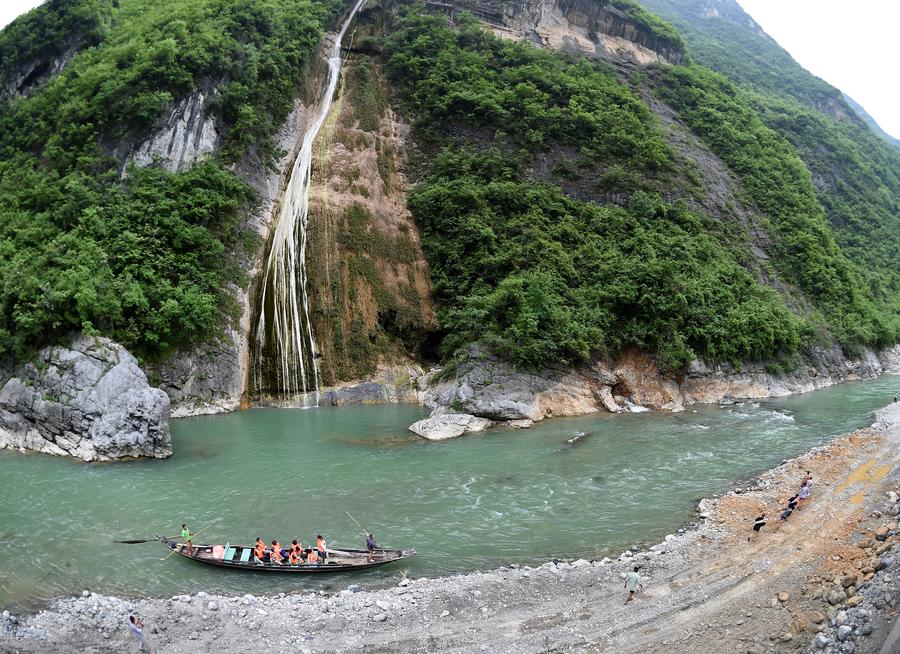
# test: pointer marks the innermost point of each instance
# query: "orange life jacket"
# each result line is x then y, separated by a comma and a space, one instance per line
259, 551
320, 544
294, 558
313, 557
276, 553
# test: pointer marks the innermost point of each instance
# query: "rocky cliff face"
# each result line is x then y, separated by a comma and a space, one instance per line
215, 376
20, 82
483, 387
584, 27
368, 276
90, 400
185, 135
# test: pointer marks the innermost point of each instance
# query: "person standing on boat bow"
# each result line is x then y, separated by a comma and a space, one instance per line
186, 537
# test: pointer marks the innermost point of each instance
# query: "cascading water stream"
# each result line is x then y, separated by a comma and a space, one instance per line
284, 333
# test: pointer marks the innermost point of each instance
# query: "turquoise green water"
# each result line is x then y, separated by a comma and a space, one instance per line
475, 502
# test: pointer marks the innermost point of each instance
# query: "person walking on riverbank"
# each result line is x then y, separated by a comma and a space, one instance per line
632, 582
803, 495
137, 628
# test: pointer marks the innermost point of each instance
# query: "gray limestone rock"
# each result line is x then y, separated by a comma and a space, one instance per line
90, 400
441, 426
185, 136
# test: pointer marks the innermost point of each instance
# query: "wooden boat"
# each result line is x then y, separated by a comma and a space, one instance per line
240, 557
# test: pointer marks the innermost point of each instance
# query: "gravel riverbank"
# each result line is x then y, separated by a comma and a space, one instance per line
827, 579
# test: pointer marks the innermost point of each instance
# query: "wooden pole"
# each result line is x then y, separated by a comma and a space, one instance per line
365, 531
357, 523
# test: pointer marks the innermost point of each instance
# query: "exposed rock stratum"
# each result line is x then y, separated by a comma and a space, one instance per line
90, 400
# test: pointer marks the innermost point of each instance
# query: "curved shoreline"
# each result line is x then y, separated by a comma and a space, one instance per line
703, 582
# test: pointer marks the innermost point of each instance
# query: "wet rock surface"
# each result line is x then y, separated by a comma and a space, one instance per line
90, 400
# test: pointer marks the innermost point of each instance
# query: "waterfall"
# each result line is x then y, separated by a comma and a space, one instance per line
284, 333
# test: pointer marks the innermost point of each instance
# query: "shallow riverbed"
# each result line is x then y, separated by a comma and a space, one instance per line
473, 502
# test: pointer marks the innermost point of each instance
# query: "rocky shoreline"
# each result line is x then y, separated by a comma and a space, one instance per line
482, 391
827, 580
91, 400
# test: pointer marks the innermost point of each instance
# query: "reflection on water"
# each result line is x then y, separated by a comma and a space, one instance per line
474, 502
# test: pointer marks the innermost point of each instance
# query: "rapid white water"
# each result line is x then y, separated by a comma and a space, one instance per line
284, 332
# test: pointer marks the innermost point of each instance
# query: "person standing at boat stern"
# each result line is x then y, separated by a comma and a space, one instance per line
186, 537
322, 547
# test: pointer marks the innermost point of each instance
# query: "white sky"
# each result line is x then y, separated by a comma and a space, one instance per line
853, 46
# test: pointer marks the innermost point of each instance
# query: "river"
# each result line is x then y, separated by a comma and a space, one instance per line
479, 501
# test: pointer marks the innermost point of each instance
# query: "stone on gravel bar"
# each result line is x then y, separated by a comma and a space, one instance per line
816, 617
821, 641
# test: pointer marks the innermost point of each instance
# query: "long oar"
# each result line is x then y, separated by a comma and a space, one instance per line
134, 542
357, 523
175, 549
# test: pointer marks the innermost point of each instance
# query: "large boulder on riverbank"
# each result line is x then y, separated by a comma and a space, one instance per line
90, 400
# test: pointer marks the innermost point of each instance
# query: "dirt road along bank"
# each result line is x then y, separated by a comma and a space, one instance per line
826, 580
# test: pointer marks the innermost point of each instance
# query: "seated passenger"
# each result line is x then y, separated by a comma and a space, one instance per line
313, 557
275, 554
259, 551
297, 547
293, 557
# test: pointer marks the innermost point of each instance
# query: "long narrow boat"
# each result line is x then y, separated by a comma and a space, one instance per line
240, 557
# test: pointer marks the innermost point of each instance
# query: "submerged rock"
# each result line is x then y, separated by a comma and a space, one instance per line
90, 400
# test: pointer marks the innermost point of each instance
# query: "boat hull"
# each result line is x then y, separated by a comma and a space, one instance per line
340, 560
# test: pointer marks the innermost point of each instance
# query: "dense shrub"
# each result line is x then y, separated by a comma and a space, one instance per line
144, 258
546, 279
779, 183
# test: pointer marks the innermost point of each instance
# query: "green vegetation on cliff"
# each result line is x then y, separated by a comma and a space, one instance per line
855, 173
651, 22
470, 85
543, 278
777, 181
139, 255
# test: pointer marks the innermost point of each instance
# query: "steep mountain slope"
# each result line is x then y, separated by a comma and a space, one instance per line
555, 180
856, 175
510, 270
